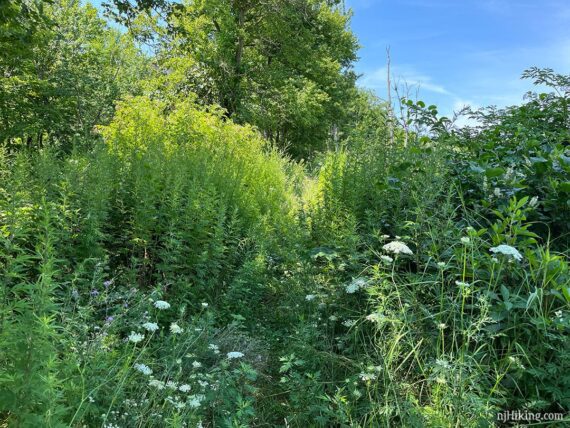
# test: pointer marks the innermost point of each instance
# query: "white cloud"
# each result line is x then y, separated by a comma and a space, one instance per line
404, 75
463, 120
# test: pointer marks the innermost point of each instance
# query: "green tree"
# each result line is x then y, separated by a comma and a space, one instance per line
67, 73
284, 67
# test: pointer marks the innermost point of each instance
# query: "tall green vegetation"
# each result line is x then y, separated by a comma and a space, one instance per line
523, 150
166, 260
176, 205
469, 315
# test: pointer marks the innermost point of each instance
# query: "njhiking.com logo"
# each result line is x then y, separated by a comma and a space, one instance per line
526, 416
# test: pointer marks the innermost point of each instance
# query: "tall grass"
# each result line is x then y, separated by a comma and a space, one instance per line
184, 273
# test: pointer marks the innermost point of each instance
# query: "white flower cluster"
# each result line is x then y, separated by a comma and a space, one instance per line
310, 297
507, 250
161, 305
214, 348
175, 328
135, 337
144, 369
397, 247
234, 355
355, 285
150, 326
194, 401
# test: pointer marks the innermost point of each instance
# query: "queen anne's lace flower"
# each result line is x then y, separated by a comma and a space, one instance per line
135, 337
144, 369
387, 259
175, 328
355, 285
150, 326
397, 247
234, 355
161, 304
508, 251
310, 297
194, 401
184, 388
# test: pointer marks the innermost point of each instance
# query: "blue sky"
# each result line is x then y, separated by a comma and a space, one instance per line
463, 51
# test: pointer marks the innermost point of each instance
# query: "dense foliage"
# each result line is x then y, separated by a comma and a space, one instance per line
167, 260
62, 68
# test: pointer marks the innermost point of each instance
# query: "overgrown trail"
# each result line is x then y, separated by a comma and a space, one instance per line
305, 256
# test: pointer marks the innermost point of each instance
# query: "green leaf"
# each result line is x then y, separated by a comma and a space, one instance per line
7, 400
531, 298
564, 187
494, 172
505, 292
403, 166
